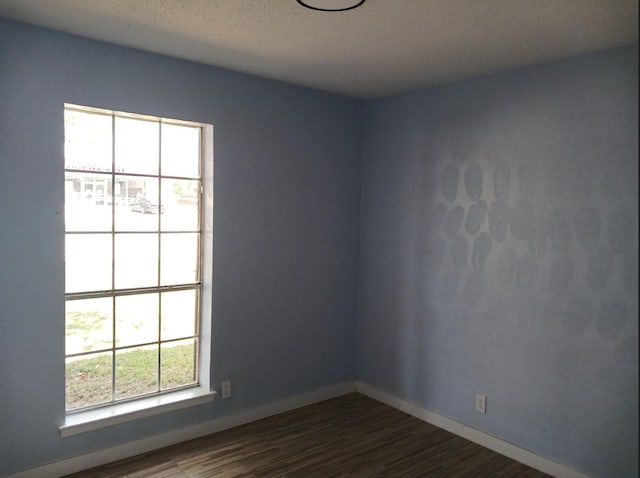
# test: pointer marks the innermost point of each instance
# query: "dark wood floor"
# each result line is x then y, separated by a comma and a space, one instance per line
349, 436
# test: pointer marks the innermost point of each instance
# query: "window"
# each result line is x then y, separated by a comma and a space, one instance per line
137, 256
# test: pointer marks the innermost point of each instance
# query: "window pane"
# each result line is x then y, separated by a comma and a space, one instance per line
136, 319
178, 314
136, 371
181, 199
87, 262
137, 144
89, 325
88, 380
179, 261
87, 202
180, 151
87, 141
178, 364
136, 262
132, 221
138, 204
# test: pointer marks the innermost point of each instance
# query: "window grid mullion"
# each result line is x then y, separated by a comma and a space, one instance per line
124, 173
201, 222
186, 231
113, 262
123, 292
160, 205
132, 346
129, 399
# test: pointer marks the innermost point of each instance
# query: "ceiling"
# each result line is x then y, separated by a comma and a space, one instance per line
381, 48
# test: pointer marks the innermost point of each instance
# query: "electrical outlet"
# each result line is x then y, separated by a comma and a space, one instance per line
481, 403
226, 388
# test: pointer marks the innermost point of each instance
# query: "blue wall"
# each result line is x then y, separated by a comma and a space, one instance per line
286, 229
496, 237
499, 255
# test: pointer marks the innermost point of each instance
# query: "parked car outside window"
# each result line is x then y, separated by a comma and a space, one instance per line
146, 206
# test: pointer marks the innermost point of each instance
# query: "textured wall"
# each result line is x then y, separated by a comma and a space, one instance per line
286, 230
499, 254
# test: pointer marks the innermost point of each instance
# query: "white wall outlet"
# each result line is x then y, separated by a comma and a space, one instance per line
481, 403
226, 388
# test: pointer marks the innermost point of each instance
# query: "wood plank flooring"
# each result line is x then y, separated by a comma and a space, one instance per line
348, 436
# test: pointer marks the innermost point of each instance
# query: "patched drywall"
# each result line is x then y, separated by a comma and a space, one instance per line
499, 255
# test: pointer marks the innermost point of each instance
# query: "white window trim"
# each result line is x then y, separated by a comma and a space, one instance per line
102, 417
109, 415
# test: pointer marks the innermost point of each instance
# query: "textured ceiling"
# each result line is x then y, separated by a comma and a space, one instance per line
383, 47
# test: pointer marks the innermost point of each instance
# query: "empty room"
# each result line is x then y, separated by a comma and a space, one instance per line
319, 238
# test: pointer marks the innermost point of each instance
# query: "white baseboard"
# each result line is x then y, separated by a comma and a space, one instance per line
108, 455
498, 445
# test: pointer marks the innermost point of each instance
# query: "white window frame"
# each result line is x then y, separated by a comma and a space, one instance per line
132, 409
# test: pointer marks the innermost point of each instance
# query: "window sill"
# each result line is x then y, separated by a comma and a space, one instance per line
124, 412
